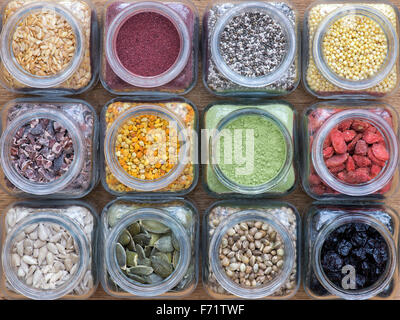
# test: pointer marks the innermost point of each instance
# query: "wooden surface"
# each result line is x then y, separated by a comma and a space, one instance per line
201, 98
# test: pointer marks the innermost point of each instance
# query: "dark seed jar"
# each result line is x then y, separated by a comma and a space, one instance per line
149, 248
241, 58
251, 250
350, 150
48, 148
351, 251
57, 53
149, 46
351, 49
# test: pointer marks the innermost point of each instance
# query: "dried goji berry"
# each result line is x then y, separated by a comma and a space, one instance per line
328, 152
371, 129
362, 175
342, 175
361, 147
338, 142
336, 160
358, 176
349, 135
352, 144
380, 152
361, 161
371, 137
350, 165
345, 125
374, 159
375, 170
359, 125
337, 169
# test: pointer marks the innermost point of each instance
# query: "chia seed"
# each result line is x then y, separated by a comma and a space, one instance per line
253, 44
219, 84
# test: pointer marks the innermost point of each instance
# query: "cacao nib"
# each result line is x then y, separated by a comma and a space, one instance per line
31, 155
46, 145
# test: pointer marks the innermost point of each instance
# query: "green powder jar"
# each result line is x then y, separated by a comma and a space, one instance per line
250, 149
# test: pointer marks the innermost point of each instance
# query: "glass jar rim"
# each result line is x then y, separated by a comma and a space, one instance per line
73, 228
275, 75
390, 33
134, 287
362, 294
215, 264
121, 174
33, 187
143, 81
16, 70
361, 189
244, 189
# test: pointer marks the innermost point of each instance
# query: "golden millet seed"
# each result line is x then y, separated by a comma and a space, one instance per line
355, 47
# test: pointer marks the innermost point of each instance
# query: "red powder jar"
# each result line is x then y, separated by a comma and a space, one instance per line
149, 46
351, 150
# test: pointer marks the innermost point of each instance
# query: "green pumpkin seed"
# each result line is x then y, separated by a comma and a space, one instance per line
124, 238
144, 262
131, 258
134, 229
121, 255
131, 244
149, 250
140, 251
142, 239
154, 238
164, 244
175, 242
161, 267
140, 270
154, 226
163, 256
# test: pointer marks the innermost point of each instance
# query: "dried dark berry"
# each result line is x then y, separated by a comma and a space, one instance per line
344, 248
332, 261
358, 245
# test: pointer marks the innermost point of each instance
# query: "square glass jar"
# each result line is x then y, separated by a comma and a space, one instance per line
173, 218
356, 173
41, 232
226, 72
216, 121
73, 65
49, 148
181, 115
163, 64
246, 242
327, 221
335, 66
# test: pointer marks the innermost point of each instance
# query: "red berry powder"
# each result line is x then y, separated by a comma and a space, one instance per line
148, 44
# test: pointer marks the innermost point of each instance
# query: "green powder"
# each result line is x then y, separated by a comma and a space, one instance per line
218, 111
257, 165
